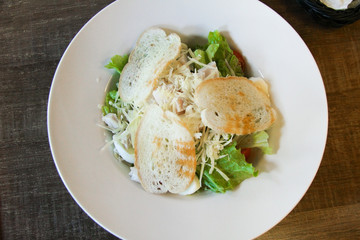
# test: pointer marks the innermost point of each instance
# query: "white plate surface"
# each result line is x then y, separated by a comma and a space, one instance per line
102, 187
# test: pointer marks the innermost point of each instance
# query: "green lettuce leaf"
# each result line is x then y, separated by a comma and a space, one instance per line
216, 38
258, 139
218, 50
211, 51
201, 56
233, 165
110, 97
117, 63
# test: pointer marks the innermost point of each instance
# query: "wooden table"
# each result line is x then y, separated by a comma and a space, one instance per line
34, 204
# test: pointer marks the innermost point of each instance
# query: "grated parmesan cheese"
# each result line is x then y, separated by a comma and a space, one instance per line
175, 93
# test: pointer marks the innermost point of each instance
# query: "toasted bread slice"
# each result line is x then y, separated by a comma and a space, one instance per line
234, 105
152, 54
164, 152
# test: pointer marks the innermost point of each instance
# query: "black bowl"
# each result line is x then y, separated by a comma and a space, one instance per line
329, 16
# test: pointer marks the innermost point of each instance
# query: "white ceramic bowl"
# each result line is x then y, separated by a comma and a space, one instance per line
102, 187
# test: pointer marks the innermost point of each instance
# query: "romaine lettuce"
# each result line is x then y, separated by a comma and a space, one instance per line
218, 50
117, 62
110, 97
258, 139
233, 165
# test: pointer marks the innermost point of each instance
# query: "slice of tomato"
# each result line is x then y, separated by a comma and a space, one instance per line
246, 152
241, 59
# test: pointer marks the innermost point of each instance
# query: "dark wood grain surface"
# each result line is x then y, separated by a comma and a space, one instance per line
34, 204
